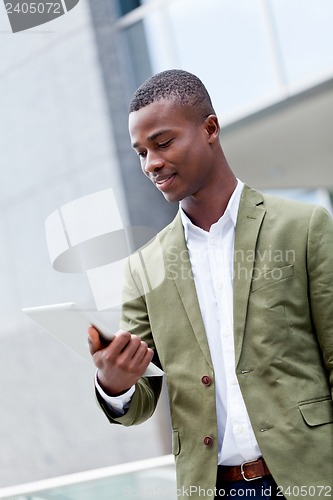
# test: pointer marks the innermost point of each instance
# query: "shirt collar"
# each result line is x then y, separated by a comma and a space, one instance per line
230, 212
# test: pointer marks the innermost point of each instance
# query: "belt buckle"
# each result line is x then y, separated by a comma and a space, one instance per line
243, 472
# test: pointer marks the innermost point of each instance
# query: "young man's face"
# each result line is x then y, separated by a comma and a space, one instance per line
174, 148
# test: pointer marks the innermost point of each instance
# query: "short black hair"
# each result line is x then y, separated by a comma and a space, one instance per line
178, 86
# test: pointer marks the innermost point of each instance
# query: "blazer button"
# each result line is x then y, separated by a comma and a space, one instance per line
208, 441
206, 380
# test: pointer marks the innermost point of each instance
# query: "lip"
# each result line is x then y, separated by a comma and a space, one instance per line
163, 182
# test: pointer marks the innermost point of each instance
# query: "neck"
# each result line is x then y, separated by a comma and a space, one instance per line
205, 209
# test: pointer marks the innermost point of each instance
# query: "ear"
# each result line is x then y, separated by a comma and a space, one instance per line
212, 127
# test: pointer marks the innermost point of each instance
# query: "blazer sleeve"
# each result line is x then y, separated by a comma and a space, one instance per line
320, 271
135, 319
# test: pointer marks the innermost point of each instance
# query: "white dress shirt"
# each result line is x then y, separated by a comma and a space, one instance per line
211, 255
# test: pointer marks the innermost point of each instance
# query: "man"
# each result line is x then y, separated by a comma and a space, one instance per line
241, 321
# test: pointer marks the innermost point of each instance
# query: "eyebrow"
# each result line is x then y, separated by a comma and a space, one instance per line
153, 136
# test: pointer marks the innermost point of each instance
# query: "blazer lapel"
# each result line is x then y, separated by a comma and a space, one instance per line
177, 259
250, 216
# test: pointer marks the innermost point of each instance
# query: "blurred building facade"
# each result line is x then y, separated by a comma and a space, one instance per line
65, 89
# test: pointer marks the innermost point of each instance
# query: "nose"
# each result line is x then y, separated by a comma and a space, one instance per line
153, 162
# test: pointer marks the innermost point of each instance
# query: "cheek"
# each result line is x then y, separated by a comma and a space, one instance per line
196, 151
142, 166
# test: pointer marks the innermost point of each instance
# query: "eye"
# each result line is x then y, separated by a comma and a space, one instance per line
165, 144
142, 154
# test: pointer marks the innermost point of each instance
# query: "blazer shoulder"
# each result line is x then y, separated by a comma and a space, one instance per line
282, 207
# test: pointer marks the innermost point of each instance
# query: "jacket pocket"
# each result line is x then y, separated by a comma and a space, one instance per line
317, 412
175, 443
273, 276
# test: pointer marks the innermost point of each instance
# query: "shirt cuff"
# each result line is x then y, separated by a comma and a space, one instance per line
118, 404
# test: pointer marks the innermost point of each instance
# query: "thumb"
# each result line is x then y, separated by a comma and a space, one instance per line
94, 341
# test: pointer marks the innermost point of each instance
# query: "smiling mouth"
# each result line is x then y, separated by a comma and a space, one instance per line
164, 182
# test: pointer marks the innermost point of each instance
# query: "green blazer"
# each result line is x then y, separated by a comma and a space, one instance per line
283, 334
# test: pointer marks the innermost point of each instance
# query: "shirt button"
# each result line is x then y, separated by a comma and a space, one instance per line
206, 380
213, 241
208, 441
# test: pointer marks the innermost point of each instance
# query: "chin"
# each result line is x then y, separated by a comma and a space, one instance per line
172, 197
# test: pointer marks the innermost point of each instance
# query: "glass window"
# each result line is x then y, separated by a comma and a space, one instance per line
249, 54
305, 34
226, 43
125, 6
135, 46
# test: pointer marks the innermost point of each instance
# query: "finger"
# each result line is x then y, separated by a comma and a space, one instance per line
142, 352
94, 340
141, 358
131, 348
148, 356
119, 342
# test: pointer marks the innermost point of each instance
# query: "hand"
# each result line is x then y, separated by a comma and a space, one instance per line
121, 363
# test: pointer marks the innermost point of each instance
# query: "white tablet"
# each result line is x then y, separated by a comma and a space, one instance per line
69, 323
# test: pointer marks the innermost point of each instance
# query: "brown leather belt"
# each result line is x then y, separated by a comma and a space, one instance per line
254, 469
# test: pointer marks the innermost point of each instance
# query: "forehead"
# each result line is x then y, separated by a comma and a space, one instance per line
159, 115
